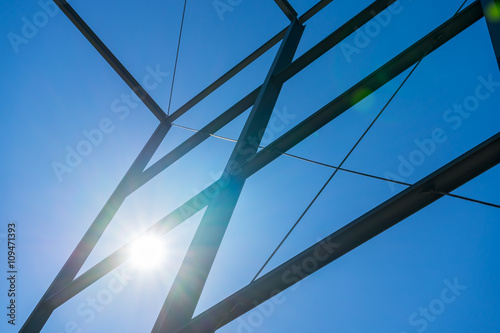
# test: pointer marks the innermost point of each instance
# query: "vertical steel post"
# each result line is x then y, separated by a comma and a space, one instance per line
183, 297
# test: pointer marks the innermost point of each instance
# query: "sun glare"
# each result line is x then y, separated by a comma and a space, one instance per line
147, 252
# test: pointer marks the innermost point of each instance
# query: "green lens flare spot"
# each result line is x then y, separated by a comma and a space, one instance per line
363, 99
492, 12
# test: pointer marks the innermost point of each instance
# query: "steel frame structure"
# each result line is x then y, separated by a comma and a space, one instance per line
176, 314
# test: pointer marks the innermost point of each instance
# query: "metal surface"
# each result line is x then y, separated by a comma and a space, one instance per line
295, 67
111, 59
446, 179
245, 62
184, 294
371, 83
287, 9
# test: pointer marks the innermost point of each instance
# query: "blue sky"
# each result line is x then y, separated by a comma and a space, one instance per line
57, 89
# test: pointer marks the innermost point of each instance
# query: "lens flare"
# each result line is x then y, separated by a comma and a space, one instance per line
492, 12
147, 252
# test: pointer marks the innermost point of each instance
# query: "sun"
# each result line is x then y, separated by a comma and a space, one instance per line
148, 252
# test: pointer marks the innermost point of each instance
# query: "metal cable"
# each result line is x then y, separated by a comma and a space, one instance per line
176, 58
345, 159
344, 169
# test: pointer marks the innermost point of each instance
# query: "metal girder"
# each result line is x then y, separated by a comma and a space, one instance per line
491, 10
111, 59
287, 9
65, 285
314, 9
333, 39
140, 91
180, 304
245, 62
446, 179
169, 222
371, 83
190, 207
295, 67
66, 275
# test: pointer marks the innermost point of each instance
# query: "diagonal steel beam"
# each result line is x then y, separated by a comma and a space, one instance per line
371, 83
287, 9
171, 220
111, 59
446, 179
137, 88
491, 10
299, 64
185, 292
249, 169
43, 310
393, 66
245, 62
163, 226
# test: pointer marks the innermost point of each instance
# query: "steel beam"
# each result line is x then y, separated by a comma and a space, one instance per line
185, 292
249, 168
111, 59
140, 91
446, 179
105, 266
66, 275
133, 183
333, 39
371, 83
314, 10
245, 62
299, 64
491, 9
287, 9
41, 313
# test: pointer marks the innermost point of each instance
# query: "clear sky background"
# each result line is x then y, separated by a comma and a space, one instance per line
56, 88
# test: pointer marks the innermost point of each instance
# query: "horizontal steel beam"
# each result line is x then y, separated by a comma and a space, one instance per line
446, 179
287, 9
111, 59
371, 83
